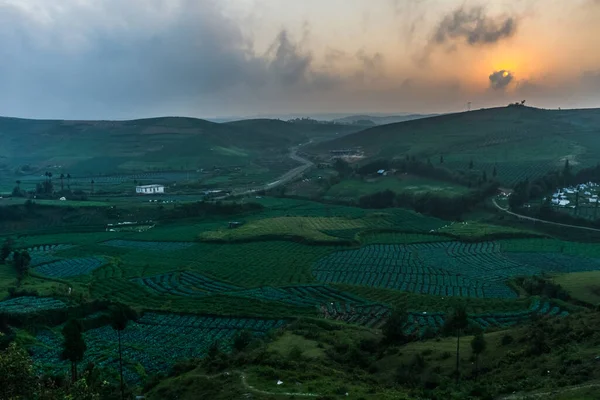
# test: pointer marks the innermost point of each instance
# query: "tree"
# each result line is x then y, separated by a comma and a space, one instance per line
16, 373
120, 319
21, 260
62, 184
342, 167
567, 174
471, 164
457, 322
242, 340
92, 182
494, 172
74, 346
7, 248
393, 327
441, 159
214, 350
69, 181
484, 176
478, 346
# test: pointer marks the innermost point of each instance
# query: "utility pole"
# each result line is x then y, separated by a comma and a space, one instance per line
469, 106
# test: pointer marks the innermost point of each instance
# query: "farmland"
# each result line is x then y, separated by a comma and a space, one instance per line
353, 189
303, 278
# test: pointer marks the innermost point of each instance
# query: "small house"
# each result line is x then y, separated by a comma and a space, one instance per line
150, 189
563, 203
381, 172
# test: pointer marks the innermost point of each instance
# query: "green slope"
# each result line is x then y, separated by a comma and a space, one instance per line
519, 141
165, 143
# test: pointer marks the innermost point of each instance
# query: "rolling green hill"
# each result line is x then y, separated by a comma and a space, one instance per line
155, 141
519, 141
91, 148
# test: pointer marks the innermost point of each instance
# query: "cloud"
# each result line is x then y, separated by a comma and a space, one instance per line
499, 80
84, 59
474, 27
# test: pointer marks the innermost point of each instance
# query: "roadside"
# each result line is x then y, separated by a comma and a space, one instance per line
520, 216
523, 396
285, 178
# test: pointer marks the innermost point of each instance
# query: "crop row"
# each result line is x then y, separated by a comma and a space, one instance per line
191, 284
44, 253
372, 315
183, 284
556, 262
156, 342
445, 268
70, 267
210, 322
29, 304
143, 245
419, 323
300, 295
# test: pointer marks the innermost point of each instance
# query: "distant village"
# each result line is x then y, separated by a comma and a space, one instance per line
576, 195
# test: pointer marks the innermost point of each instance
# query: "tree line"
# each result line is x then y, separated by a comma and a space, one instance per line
429, 203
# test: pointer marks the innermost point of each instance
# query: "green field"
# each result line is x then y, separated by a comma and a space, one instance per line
312, 284
584, 286
353, 188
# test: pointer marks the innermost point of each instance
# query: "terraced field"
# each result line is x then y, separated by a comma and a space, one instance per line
29, 304
420, 323
145, 342
70, 267
152, 246
442, 268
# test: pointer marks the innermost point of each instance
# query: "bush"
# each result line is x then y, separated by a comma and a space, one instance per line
506, 339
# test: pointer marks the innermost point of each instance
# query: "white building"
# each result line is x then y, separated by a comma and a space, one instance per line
150, 189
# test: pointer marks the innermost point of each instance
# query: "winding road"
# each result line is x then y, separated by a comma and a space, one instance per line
285, 178
545, 395
520, 216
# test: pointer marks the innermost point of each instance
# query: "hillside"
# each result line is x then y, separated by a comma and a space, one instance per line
382, 120
88, 148
317, 131
519, 141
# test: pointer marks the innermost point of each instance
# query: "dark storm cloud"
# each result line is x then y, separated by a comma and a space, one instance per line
474, 27
499, 80
86, 61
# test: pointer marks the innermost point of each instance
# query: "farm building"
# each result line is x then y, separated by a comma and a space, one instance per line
150, 189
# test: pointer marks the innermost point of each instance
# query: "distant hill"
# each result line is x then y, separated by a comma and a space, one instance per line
165, 143
380, 120
518, 141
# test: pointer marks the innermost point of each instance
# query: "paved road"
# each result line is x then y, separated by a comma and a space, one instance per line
283, 179
506, 210
545, 395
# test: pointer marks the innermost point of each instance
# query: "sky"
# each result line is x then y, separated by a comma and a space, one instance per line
120, 59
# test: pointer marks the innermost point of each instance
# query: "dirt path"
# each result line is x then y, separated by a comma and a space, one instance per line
251, 388
523, 396
506, 210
